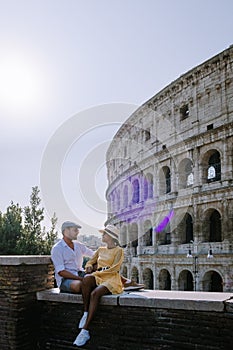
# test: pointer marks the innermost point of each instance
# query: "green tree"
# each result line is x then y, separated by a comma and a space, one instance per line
50, 237
10, 229
34, 240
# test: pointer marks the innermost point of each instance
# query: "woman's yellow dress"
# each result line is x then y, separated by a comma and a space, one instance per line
113, 259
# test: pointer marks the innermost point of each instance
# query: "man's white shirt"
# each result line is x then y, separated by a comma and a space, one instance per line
65, 258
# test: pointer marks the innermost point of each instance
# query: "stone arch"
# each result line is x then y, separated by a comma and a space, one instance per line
164, 236
148, 278
186, 229
212, 282
147, 238
148, 185
164, 280
135, 274
133, 238
136, 191
211, 166
185, 170
164, 180
185, 281
212, 226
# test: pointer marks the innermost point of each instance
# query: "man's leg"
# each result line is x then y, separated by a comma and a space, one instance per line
70, 286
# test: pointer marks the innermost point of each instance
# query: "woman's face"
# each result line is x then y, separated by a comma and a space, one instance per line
106, 238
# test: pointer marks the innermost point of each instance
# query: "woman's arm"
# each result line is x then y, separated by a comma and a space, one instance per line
91, 262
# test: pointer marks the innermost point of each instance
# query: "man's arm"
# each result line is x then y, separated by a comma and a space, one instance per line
58, 262
69, 275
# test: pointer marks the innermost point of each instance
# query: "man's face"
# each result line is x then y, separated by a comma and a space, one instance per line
71, 232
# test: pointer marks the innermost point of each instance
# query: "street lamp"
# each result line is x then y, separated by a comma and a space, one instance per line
195, 260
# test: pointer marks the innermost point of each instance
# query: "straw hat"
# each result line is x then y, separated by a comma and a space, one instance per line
112, 231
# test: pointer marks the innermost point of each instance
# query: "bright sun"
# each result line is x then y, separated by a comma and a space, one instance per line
19, 84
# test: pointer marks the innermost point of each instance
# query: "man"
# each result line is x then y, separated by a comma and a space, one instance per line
67, 256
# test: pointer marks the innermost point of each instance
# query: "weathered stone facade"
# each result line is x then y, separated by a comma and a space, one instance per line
170, 172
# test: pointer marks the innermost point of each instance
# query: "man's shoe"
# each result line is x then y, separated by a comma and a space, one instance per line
83, 320
132, 285
82, 338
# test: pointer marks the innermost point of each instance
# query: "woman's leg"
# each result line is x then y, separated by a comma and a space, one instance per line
75, 287
95, 296
88, 284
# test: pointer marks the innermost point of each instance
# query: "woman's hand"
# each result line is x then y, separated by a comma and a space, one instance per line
89, 269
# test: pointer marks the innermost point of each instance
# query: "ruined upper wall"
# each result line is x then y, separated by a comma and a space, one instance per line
199, 100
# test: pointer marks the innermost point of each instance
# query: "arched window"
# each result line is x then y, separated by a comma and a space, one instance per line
186, 173
190, 179
147, 237
168, 179
188, 228
164, 180
148, 278
215, 227
214, 167
164, 236
136, 191
185, 281
212, 282
164, 280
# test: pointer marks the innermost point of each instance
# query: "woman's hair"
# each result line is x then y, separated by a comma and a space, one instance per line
116, 242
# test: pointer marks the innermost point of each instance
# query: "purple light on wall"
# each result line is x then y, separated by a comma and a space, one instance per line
164, 222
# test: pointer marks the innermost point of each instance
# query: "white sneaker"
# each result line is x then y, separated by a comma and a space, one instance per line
82, 338
83, 320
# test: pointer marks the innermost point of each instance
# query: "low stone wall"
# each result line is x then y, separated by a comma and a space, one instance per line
143, 320
20, 278
35, 316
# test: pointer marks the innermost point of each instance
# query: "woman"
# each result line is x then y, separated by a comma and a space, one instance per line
105, 280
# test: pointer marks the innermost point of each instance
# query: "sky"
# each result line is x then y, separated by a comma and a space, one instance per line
71, 72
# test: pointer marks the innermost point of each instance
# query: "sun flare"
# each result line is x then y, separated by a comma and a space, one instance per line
19, 84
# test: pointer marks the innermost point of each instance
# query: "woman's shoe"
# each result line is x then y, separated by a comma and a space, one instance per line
82, 338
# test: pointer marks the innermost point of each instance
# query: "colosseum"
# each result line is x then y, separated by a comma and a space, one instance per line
170, 188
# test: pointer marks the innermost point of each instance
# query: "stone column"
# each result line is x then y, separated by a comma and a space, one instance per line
226, 221
196, 169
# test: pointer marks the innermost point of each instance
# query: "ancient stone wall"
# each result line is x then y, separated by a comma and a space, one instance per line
147, 320
20, 278
35, 316
170, 169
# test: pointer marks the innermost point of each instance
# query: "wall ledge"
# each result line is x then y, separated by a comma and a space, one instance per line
159, 299
13, 260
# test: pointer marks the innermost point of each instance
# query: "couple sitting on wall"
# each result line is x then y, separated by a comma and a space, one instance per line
101, 275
